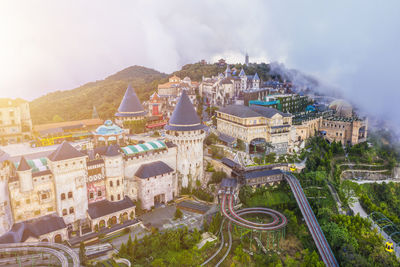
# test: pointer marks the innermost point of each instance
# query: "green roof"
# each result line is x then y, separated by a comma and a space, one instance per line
39, 164
149, 146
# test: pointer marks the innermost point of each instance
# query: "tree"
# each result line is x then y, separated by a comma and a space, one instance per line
82, 254
57, 118
178, 214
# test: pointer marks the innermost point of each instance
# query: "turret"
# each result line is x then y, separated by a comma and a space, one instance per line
24, 172
186, 131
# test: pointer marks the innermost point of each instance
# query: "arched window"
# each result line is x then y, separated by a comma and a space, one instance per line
99, 193
111, 183
71, 210
64, 212
69, 194
62, 196
117, 182
112, 198
91, 195
119, 197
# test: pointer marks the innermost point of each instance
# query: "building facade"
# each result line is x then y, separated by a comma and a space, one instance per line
255, 125
15, 121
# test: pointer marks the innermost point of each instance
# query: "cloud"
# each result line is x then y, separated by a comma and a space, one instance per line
348, 45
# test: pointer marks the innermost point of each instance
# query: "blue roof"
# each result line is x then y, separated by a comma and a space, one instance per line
263, 103
130, 105
184, 117
108, 129
255, 77
228, 182
242, 73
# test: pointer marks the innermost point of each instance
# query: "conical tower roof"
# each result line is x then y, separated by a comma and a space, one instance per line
130, 105
184, 117
23, 165
65, 151
4, 156
242, 73
255, 77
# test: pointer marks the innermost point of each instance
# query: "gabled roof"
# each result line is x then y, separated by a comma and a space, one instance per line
104, 207
239, 111
153, 169
255, 77
242, 73
184, 117
23, 165
3, 156
20, 232
267, 111
65, 151
130, 105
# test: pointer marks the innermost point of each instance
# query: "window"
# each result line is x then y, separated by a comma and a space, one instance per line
62, 196
99, 193
119, 197
28, 201
64, 212
37, 212
91, 195
112, 198
17, 203
44, 196
111, 183
69, 194
71, 210
50, 209
11, 113
117, 182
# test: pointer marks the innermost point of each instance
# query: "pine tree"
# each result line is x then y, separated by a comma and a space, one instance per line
82, 254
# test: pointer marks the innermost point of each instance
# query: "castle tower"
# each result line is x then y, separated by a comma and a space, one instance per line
114, 170
228, 72
24, 172
69, 169
246, 59
186, 131
6, 218
130, 108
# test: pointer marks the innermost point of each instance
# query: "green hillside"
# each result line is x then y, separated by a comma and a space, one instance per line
106, 95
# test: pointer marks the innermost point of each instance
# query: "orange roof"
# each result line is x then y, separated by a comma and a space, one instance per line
87, 123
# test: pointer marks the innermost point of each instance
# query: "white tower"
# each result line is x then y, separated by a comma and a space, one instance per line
6, 218
114, 168
186, 131
24, 172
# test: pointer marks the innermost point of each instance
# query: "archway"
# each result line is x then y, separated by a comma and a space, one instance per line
258, 146
58, 238
113, 220
44, 240
102, 224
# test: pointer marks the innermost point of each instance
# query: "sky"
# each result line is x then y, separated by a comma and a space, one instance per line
349, 45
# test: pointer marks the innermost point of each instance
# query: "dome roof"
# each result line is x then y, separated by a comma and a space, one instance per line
342, 108
184, 117
108, 129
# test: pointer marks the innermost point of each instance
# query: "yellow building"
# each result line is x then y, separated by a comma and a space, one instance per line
15, 120
256, 124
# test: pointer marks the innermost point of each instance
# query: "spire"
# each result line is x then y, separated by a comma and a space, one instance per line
65, 151
23, 165
228, 71
184, 117
95, 115
242, 73
255, 77
130, 105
